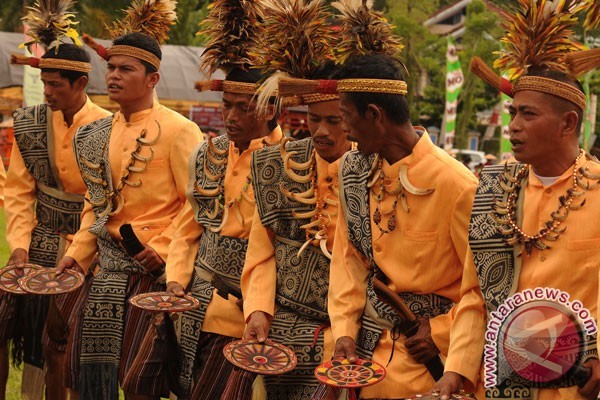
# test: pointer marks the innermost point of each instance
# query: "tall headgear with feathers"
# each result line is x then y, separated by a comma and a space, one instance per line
152, 18
296, 40
232, 27
50, 24
363, 31
539, 36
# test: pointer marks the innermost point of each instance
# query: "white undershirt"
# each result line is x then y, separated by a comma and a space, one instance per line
546, 180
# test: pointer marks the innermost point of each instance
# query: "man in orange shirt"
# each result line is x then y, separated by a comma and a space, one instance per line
209, 246
134, 166
418, 200
286, 273
533, 233
44, 198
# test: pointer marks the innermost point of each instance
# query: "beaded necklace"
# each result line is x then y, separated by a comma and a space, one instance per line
506, 212
113, 199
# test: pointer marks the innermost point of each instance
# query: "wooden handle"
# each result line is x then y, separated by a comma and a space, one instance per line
395, 300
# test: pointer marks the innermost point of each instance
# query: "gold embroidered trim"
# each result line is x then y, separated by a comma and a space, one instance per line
61, 63
551, 86
372, 86
318, 98
240, 87
131, 51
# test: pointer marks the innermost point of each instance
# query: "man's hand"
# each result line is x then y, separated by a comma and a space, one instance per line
175, 289
68, 263
592, 386
420, 346
149, 259
448, 385
258, 326
18, 258
345, 347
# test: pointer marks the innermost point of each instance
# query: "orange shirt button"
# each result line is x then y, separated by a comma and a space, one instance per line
549, 190
377, 248
543, 258
235, 173
65, 146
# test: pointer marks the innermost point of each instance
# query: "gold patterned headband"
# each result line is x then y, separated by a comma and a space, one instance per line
220, 85
372, 86
121, 50
297, 87
553, 87
51, 63
131, 51
313, 98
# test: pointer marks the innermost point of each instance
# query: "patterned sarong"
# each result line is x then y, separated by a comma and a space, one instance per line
219, 255
58, 215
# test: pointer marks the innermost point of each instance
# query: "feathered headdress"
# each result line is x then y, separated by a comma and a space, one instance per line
295, 40
539, 37
232, 27
50, 22
153, 18
363, 32
592, 19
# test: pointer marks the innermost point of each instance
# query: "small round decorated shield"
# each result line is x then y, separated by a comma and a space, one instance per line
46, 281
341, 373
268, 358
164, 302
10, 275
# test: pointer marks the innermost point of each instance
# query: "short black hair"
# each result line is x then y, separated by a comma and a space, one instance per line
144, 42
561, 105
324, 71
67, 51
251, 75
376, 66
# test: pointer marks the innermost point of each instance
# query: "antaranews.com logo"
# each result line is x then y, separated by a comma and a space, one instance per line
536, 336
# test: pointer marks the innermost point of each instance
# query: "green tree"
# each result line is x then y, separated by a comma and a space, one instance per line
480, 39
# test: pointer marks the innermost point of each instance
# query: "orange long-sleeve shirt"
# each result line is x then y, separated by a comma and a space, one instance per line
20, 190
573, 262
222, 316
424, 254
152, 208
259, 276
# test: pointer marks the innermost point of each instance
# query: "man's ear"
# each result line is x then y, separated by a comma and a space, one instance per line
81, 82
569, 123
373, 112
154, 78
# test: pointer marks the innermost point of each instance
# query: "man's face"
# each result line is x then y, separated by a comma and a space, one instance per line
59, 93
359, 128
241, 121
325, 125
126, 79
534, 127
